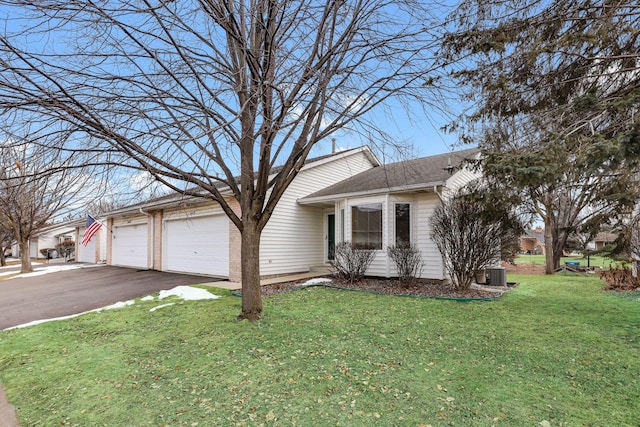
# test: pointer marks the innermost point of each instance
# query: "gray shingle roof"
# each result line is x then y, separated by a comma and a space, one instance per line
409, 174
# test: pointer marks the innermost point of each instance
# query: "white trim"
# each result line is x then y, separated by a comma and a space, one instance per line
325, 249
383, 205
393, 239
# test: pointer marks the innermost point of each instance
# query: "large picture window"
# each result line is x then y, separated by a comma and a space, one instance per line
366, 226
403, 224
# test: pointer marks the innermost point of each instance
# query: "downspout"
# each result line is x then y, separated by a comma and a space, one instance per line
153, 240
435, 190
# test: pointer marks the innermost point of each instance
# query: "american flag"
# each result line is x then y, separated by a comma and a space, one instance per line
92, 228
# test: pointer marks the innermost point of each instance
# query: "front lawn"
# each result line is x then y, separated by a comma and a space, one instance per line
554, 351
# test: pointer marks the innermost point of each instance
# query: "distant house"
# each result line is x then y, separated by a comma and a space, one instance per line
603, 239
49, 238
532, 242
345, 196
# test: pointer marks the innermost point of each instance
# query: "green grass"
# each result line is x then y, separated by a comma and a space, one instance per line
594, 260
554, 349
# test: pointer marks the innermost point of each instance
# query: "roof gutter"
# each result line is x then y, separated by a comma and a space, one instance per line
430, 186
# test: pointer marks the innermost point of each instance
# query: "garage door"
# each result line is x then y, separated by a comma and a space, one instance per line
33, 249
198, 245
129, 247
87, 253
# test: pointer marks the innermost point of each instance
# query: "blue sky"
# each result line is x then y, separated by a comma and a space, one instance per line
421, 132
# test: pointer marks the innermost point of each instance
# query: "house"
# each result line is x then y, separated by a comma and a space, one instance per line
603, 239
532, 242
347, 195
49, 238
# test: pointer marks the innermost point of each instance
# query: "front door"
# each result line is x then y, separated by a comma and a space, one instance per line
331, 236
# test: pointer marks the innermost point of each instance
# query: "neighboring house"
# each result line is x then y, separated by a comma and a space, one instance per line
49, 238
347, 195
532, 242
603, 239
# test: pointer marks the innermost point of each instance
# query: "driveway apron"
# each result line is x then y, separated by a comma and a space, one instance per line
64, 293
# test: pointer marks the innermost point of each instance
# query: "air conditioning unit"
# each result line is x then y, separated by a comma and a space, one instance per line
497, 276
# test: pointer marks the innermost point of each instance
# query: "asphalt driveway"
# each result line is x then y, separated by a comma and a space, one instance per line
63, 293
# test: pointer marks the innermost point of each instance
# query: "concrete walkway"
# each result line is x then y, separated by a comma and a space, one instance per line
236, 286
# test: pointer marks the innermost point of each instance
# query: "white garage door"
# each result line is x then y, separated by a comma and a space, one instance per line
33, 249
129, 247
198, 245
87, 253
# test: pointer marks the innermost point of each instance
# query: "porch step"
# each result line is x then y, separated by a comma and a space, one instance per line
320, 269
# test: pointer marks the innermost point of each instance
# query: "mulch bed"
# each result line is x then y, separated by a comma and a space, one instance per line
389, 287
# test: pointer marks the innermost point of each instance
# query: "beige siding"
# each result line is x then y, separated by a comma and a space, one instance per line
294, 238
433, 267
422, 206
461, 178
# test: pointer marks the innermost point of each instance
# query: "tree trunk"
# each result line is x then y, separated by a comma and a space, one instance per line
548, 246
560, 243
250, 260
3, 261
25, 257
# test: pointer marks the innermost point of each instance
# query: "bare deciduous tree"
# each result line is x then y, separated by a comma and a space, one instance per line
6, 237
208, 96
37, 185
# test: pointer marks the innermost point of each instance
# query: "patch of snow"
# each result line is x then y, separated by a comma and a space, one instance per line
120, 304
317, 280
47, 269
158, 307
187, 293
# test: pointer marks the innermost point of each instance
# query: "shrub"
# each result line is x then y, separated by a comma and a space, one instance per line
66, 248
619, 279
47, 252
408, 260
468, 239
351, 262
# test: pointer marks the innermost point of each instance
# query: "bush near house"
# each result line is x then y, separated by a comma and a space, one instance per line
66, 248
408, 261
48, 253
351, 261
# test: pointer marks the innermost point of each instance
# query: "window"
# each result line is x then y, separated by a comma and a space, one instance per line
403, 224
366, 226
